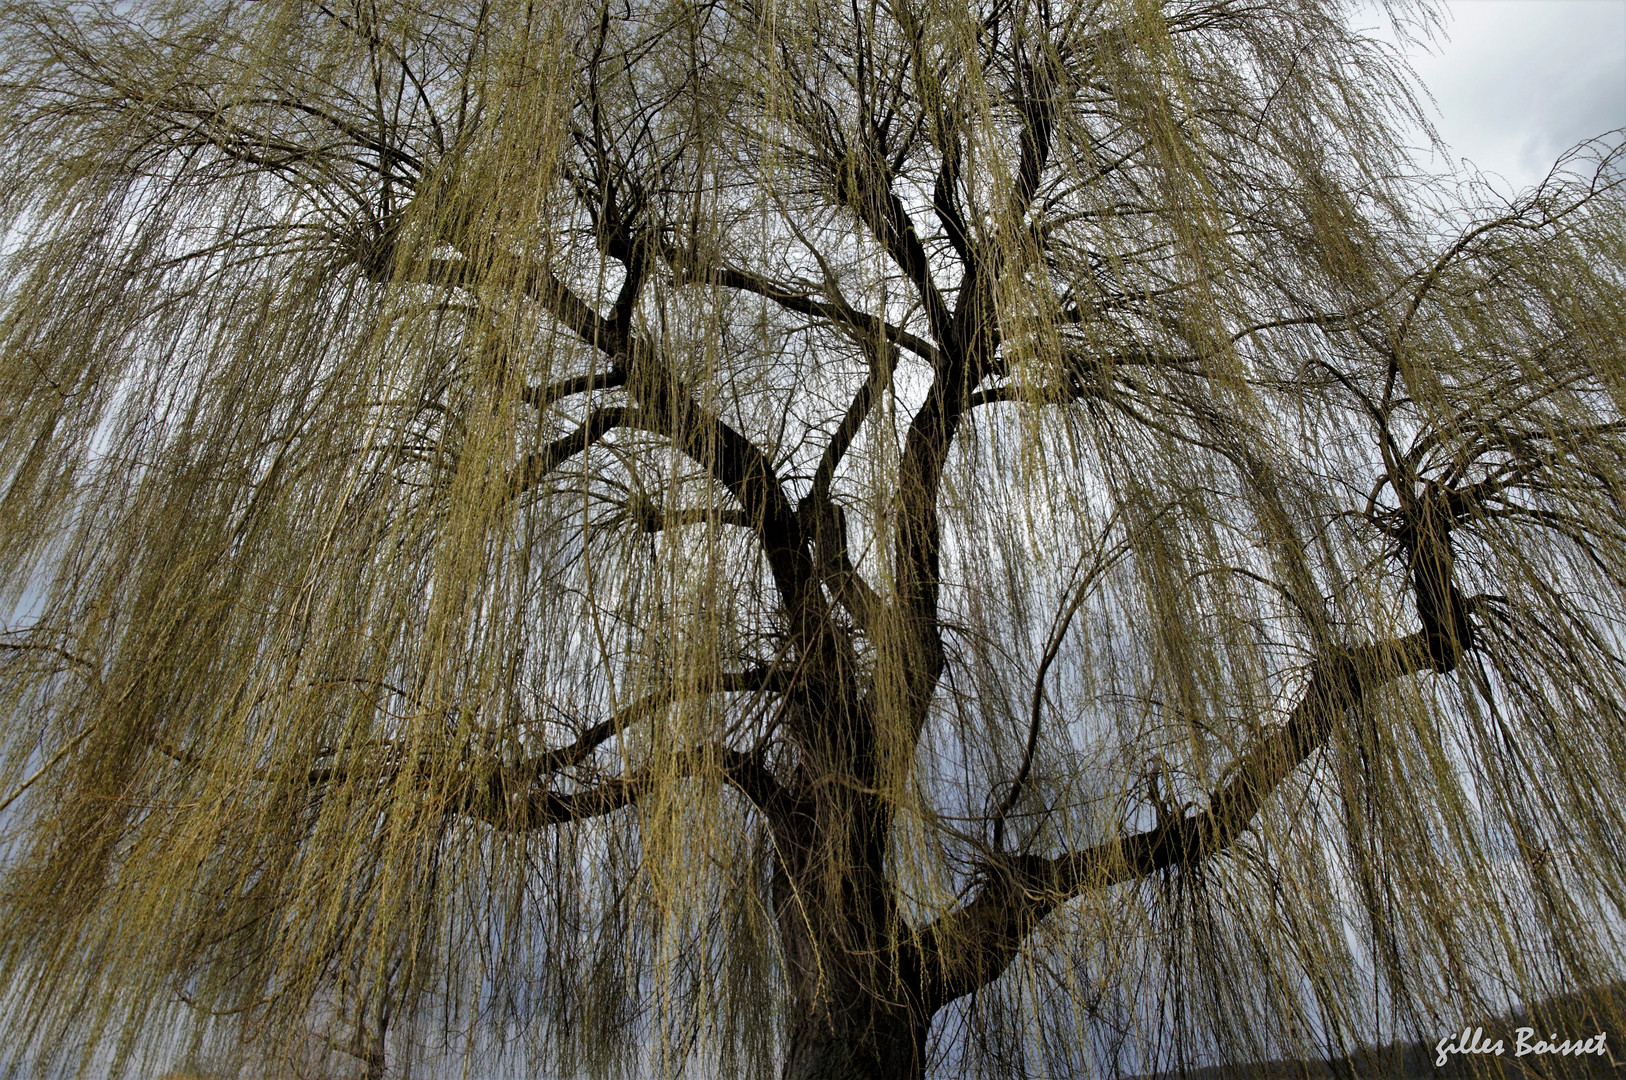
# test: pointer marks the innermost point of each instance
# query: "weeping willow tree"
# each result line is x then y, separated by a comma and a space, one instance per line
840, 539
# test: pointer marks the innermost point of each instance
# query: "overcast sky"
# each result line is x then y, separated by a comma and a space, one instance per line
1517, 82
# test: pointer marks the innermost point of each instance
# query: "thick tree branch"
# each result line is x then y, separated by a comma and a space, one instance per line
652, 519
945, 194
1038, 122
1425, 539
918, 576
828, 524
969, 947
728, 682
861, 601
882, 362
539, 283
666, 407
969, 344
860, 323
543, 396
517, 803
518, 797
867, 187
662, 405
539, 463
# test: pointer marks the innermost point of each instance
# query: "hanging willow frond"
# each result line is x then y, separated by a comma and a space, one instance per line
834, 539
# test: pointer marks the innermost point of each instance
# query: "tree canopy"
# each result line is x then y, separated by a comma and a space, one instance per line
971, 537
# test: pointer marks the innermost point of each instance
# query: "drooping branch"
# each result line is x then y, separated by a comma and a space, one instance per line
39, 773
1100, 560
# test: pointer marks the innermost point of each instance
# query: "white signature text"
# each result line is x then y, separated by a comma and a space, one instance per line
1473, 1041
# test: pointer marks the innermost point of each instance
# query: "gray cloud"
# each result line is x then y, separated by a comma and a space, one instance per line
1520, 81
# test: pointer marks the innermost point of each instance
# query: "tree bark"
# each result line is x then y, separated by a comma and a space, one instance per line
856, 1011
853, 978
844, 1032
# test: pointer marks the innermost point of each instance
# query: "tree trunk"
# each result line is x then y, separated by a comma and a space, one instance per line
856, 1011
853, 977
848, 1034
855, 1007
